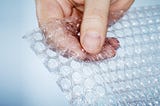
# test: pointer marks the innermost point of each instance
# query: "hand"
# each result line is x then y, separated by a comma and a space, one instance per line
78, 27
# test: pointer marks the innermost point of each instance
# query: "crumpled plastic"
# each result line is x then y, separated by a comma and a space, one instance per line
131, 78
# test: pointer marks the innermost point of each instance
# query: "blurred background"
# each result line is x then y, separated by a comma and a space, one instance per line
24, 81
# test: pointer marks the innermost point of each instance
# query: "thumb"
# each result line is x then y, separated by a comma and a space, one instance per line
94, 25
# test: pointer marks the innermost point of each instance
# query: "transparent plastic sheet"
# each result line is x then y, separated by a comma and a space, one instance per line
130, 78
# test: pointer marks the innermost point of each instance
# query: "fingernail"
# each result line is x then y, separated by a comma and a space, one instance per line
91, 41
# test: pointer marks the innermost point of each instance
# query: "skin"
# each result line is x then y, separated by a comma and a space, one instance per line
77, 28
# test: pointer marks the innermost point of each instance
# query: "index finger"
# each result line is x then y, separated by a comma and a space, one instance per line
47, 9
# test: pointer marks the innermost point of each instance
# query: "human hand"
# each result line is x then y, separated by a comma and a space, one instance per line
62, 20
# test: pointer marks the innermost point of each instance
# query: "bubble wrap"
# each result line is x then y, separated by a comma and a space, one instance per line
131, 78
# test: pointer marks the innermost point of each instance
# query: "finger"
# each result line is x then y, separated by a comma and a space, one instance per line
47, 9
113, 42
59, 33
61, 36
107, 52
121, 5
94, 25
117, 10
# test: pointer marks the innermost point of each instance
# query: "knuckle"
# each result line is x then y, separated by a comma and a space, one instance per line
95, 18
96, 14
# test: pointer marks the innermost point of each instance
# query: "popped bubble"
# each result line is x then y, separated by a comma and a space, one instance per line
131, 78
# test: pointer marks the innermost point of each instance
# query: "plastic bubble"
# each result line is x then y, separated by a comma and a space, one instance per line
77, 77
89, 83
52, 64
77, 90
65, 70
65, 84
39, 47
100, 91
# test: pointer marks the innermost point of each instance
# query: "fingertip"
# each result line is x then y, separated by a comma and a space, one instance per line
92, 42
94, 25
114, 42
